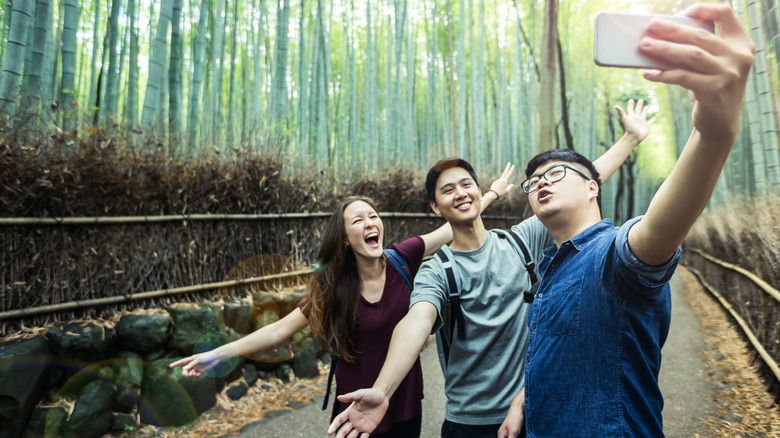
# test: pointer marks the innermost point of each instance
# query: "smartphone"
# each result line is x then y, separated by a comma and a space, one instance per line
617, 38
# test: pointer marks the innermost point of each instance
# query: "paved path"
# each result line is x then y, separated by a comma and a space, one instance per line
682, 379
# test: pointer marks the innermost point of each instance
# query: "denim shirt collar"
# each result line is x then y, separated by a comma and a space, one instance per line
578, 242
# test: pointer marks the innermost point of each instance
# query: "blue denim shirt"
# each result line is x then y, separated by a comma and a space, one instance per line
597, 325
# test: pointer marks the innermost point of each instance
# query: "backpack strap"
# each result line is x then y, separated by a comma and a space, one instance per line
402, 267
453, 298
334, 363
528, 296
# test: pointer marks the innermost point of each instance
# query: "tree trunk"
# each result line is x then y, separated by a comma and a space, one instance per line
564, 100
112, 78
278, 100
67, 93
32, 79
93, 78
174, 74
547, 134
193, 112
149, 117
232, 85
257, 84
15, 53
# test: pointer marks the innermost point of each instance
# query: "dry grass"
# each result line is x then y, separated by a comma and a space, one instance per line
744, 405
229, 416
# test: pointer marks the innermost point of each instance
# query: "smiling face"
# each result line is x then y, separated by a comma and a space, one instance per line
363, 229
458, 198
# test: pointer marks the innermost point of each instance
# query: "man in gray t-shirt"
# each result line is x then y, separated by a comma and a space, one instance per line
485, 369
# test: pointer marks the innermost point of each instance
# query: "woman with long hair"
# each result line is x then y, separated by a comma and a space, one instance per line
353, 302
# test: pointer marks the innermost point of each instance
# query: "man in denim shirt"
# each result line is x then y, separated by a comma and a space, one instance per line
602, 310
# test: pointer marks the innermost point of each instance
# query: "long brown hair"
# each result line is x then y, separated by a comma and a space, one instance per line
334, 290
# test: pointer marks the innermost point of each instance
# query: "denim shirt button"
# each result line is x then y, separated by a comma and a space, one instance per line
534, 327
528, 359
539, 295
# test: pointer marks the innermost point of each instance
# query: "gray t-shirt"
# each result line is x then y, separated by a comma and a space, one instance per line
486, 370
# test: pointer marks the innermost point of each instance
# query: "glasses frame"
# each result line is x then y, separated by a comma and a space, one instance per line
524, 185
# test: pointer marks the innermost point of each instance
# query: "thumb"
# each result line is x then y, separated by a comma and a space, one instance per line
351, 396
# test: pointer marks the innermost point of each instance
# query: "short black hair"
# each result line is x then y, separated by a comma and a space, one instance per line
568, 156
441, 166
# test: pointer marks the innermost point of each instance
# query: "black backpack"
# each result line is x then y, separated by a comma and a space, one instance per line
453, 315
402, 267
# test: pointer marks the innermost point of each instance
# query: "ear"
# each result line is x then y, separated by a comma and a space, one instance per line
434, 207
593, 190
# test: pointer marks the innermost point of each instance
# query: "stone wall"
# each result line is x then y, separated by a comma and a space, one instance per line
85, 379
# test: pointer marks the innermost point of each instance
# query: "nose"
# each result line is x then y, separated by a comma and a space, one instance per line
459, 191
542, 183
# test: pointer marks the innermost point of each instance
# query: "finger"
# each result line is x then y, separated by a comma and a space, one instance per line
337, 421
640, 106
691, 57
350, 397
508, 170
722, 14
179, 362
621, 113
650, 122
345, 429
630, 106
510, 187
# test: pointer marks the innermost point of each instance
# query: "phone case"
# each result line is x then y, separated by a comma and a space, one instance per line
617, 37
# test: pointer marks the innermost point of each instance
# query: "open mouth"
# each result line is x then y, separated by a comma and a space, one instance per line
463, 207
544, 195
372, 239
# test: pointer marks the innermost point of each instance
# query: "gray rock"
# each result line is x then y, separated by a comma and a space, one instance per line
85, 341
128, 370
250, 374
91, 416
238, 316
46, 422
237, 389
143, 333
195, 328
23, 369
123, 422
165, 401
304, 364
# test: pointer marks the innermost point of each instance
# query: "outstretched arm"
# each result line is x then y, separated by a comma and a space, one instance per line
369, 405
260, 339
715, 71
635, 129
442, 235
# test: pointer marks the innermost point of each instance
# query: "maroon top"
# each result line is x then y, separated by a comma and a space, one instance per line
374, 330
373, 333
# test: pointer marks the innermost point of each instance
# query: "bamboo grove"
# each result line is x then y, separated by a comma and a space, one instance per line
353, 87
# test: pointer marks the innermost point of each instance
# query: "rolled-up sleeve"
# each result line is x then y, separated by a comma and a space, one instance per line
649, 276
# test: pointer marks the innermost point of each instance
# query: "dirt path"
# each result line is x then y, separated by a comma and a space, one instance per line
694, 394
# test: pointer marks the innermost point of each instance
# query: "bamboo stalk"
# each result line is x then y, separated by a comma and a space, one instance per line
742, 323
113, 220
143, 295
774, 293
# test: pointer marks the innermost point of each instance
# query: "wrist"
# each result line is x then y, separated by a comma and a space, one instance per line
494, 192
632, 137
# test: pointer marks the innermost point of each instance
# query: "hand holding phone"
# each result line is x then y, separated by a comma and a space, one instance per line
617, 39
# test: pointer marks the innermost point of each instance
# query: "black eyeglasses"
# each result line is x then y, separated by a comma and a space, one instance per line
553, 174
